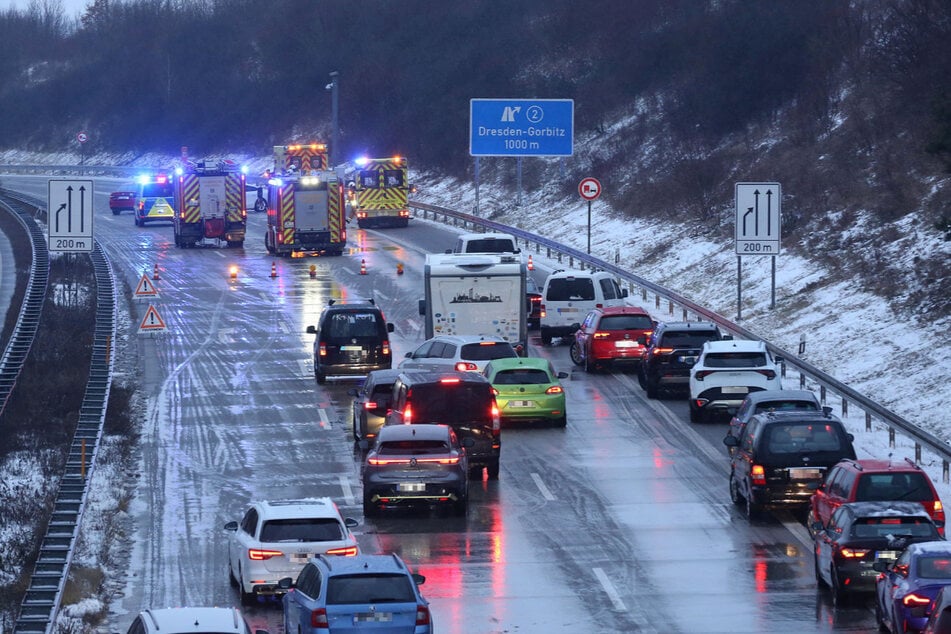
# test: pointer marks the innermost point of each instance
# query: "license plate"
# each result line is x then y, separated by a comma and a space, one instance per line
688, 360
625, 344
805, 474
351, 348
886, 554
372, 617
521, 403
301, 558
412, 487
567, 310
738, 389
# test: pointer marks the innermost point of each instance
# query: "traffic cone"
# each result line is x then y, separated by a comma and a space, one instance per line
399, 268
363, 267
155, 275
273, 269
531, 265
313, 271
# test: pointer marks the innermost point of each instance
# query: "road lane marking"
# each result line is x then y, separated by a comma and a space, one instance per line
541, 487
324, 419
347, 491
610, 590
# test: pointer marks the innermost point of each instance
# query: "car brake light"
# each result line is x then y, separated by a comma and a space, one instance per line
407, 415
913, 600
369, 405
345, 551
466, 366
322, 350
554, 389
448, 380
699, 374
854, 553
422, 615
496, 423
758, 473
318, 619
602, 335
541, 310
386, 347
769, 374
495, 392
258, 554
663, 350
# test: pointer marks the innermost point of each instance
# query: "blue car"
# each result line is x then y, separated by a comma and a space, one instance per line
375, 593
906, 589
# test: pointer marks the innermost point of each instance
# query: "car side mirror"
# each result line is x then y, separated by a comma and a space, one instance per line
311, 330
286, 583
390, 327
576, 326
353, 392
467, 442
779, 360
419, 579
731, 441
817, 526
624, 292
727, 337
231, 526
563, 375
814, 486
448, 250
350, 522
409, 355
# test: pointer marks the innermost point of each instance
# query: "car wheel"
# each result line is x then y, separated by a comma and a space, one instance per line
696, 414
575, 353
563, 421
897, 626
641, 380
880, 615
231, 578
735, 491
493, 470
369, 508
651, 388
319, 375
115, 212
247, 598
839, 596
546, 338
752, 509
461, 506
815, 568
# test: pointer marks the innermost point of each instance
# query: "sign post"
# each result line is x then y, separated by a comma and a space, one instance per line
82, 137
590, 189
757, 229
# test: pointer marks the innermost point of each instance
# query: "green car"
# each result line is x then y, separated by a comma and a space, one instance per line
527, 389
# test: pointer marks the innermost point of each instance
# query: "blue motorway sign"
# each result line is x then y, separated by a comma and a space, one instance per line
521, 127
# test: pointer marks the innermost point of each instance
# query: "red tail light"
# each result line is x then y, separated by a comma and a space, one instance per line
369, 405
318, 619
466, 366
769, 374
554, 389
758, 473
345, 551
141, 205
699, 374
541, 310
422, 615
496, 423
602, 335
854, 553
663, 350
258, 554
914, 600
386, 347
322, 350
407, 415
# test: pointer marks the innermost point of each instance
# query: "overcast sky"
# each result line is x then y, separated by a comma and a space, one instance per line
73, 8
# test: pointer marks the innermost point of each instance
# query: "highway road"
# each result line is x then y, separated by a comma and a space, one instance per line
621, 522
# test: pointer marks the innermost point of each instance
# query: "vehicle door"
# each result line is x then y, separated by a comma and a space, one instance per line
584, 334
822, 508
300, 602
895, 583
243, 538
742, 459
827, 538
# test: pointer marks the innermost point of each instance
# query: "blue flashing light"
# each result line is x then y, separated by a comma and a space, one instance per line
144, 179
179, 171
277, 182
362, 161
244, 169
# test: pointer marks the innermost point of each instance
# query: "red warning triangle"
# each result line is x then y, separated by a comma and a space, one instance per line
152, 322
146, 288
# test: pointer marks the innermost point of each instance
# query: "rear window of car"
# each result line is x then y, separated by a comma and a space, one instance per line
735, 360
522, 376
412, 447
370, 588
487, 351
341, 327
680, 339
570, 289
626, 322
301, 530
157, 190
782, 438
786, 406
893, 525
912, 487
490, 245
451, 403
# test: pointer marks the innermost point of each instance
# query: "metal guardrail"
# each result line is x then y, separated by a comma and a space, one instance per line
872, 410
87, 170
41, 601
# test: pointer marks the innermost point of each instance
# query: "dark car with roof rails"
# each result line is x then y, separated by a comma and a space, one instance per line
775, 400
370, 404
351, 338
669, 353
782, 455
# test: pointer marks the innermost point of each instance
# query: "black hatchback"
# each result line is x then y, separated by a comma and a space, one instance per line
782, 456
351, 339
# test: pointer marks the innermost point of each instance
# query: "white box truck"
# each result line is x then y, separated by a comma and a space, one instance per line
476, 294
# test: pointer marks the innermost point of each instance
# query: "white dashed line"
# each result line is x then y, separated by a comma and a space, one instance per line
347, 491
541, 487
324, 419
609, 589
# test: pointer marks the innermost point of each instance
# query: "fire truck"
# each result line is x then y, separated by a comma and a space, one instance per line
306, 205
210, 204
378, 192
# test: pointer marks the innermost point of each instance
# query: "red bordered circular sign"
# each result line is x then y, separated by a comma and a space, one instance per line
589, 188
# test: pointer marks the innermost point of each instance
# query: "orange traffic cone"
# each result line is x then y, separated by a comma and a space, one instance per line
313, 271
273, 269
363, 267
531, 265
399, 268
155, 275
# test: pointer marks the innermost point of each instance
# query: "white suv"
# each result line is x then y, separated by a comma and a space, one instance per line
190, 620
276, 538
464, 353
726, 372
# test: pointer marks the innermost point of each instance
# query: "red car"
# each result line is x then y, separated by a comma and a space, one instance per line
874, 480
611, 336
122, 201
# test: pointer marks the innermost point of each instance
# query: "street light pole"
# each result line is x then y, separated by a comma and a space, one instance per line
334, 92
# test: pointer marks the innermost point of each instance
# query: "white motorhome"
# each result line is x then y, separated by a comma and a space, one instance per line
476, 294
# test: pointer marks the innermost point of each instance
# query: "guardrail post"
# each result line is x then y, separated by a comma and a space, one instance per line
917, 453
538, 247
782, 369
670, 308
802, 381
657, 301
822, 394
868, 421
685, 315
548, 252
644, 294
945, 471
571, 261
891, 436
845, 407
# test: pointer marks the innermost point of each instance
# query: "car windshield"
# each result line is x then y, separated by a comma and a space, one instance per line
626, 322
934, 567
675, 339
301, 530
522, 376
735, 360
370, 588
487, 351
802, 437
451, 402
786, 406
412, 447
893, 486
891, 525
344, 326
568, 289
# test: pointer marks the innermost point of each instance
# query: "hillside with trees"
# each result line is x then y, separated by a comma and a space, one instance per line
846, 102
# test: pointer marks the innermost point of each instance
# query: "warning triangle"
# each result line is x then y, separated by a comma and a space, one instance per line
152, 322
146, 288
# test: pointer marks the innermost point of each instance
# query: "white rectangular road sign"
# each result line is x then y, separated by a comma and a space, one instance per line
758, 218
70, 215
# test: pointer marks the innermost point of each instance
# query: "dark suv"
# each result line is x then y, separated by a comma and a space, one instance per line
671, 351
782, 456
463, 400
351, 339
